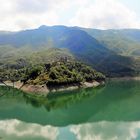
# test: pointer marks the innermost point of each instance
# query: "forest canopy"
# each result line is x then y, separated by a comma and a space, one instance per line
54, 73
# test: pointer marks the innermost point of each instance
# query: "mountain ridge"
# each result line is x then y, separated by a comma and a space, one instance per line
79, 43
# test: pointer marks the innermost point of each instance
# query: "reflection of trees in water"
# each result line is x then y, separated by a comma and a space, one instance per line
61, 99
9, 91
3, 90
117, 101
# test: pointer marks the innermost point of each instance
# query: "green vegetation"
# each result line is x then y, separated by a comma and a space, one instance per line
110, 52
125, 42
62, 72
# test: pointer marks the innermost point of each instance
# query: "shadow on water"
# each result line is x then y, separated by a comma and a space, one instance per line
117, 101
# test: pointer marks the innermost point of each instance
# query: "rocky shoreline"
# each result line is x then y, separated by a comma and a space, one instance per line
37, 89
43, 89
125, 78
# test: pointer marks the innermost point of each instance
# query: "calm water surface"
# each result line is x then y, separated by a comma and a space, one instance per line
111, 112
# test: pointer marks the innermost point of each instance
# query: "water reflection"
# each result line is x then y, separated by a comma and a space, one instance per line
107, 131
117, 101
107, 113
104, 130
17, 130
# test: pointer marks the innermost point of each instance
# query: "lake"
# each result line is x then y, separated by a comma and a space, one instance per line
111, 112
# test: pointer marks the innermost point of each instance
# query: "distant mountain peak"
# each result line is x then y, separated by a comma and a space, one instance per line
43, 27
54, 27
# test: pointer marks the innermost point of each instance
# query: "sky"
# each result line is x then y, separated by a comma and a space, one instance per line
100, 14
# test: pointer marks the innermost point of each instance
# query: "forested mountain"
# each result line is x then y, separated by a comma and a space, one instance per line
46, 44
125, 41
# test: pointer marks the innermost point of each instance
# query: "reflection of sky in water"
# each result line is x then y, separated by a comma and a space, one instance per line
107, 113
14, 129
107, 131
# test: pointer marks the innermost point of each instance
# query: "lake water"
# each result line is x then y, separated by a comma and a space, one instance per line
111, 112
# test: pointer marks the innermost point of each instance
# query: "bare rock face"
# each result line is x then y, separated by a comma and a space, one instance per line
91, 84
37, 89
43, 89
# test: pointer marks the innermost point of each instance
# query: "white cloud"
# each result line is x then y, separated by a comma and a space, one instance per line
23, 14
106, 14
13, 129
107, 131
104, 130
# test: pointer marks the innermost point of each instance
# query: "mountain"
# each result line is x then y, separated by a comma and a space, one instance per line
124, 41
18, 49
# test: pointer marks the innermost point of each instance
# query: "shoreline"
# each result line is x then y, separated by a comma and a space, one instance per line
44, 90
137, 78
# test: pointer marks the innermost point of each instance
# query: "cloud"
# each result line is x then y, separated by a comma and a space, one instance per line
107, 131
24, 14
104, 130
105, 14
13, 129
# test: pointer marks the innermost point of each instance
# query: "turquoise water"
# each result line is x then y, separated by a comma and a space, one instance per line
111, 112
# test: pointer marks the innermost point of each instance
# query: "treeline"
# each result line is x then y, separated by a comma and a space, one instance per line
55, 73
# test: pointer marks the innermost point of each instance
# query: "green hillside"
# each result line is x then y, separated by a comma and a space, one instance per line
125, 42
48, 44
62, 72
57, 73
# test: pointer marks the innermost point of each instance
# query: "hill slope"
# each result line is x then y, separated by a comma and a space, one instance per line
125, 42
38, 45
